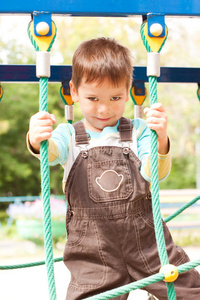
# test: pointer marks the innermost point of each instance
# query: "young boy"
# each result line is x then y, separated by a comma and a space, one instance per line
111, 239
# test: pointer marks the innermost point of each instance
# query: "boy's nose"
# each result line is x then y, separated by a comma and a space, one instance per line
104, 109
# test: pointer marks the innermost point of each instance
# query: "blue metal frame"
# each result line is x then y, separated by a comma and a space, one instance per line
113, 8
105, 8
63, 73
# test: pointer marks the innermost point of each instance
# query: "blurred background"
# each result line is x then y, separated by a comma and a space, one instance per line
19, 173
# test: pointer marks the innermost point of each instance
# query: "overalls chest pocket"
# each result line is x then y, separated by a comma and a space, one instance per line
109, 177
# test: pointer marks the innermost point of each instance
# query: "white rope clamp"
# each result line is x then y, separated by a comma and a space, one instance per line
153, 64
69, 112
43, 64
138, 111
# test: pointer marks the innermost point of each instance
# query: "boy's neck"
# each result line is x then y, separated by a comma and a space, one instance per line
93, 129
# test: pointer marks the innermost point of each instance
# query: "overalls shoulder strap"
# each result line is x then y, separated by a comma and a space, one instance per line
81, 136
125, 129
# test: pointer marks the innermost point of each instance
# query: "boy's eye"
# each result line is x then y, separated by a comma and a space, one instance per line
114, 98
93, 98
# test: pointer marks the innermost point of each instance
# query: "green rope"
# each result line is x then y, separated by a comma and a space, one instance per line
45, 184
142, 283
188, 266
29, 265
155, 182
61, 96
121, 290
159, 233
45, 187
181, 209
128, 287
198, 95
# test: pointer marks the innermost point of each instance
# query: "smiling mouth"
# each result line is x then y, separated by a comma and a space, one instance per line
103, 120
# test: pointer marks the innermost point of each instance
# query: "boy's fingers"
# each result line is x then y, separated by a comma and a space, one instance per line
45, 122
157, 106
42, 115
44, 129
53, 118
146, 109
42, 119
153, 120
41, 137
45, 115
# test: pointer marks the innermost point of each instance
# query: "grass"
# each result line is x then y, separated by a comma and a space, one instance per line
184, 238
10, 233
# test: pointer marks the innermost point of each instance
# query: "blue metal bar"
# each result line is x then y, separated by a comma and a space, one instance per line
62, 73
105, 8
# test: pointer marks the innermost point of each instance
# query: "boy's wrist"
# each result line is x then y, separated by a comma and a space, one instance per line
33, 148
163, 145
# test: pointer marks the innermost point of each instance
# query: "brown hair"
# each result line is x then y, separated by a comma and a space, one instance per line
101, 58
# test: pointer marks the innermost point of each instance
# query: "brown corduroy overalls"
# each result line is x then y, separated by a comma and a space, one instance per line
111, 240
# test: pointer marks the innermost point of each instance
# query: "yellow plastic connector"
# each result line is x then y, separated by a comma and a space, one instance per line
66, 98
43, 42
1, 92
137, 99
170, 272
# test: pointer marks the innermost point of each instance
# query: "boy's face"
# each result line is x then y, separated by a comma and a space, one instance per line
102, 104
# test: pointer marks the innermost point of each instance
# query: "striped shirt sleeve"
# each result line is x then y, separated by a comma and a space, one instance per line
143, 145
58, 144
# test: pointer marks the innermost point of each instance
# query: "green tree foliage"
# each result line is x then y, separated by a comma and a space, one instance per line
182, 175
19, 171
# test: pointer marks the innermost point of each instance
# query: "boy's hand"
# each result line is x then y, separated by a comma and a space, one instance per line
156, 118
40, 128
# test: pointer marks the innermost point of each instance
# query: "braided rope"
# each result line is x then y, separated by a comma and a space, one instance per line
31, 38
198, 94
155, 182
121, 290
45, 182
188, 266
29, 265
142, 283
181, 209
159, 233
128, 288
45, 187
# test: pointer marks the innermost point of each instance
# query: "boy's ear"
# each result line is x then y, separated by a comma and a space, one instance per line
127, 96
73, 92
